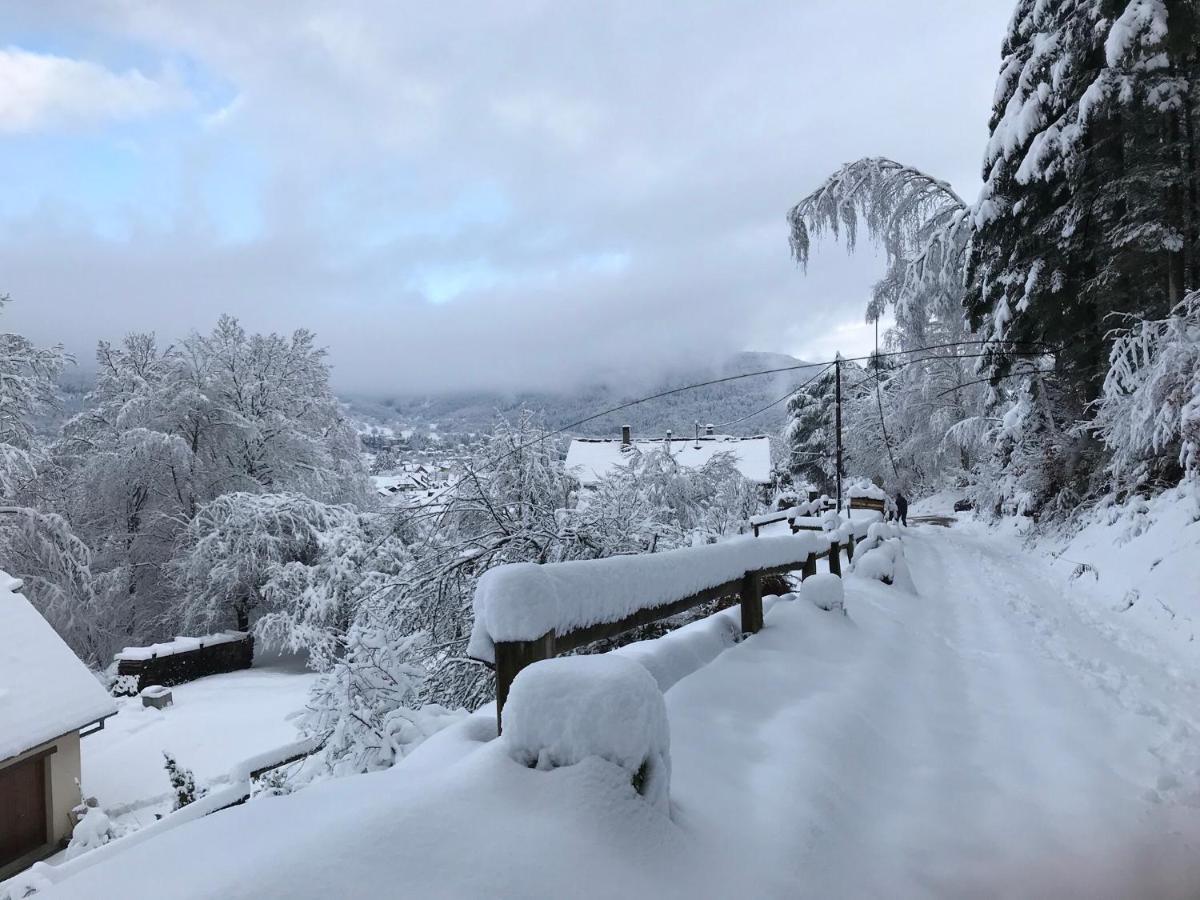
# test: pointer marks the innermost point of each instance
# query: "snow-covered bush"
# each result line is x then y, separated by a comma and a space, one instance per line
563, 710
824, 591
367, 710
1149, 412
93, 828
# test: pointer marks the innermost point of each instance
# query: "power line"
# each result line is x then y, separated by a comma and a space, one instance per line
987, 380
791, 393
807, 365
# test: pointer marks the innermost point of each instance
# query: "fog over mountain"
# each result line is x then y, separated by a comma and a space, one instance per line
720, 404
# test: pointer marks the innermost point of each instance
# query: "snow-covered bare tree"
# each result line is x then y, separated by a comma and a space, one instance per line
171, 430
404, 662
37, 544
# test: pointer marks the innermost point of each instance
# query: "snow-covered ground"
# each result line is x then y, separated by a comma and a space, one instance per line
979, 737
214, 724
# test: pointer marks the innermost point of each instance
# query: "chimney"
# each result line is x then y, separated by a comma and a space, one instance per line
626, 435
708, 429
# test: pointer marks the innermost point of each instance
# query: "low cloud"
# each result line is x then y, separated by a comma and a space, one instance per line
40, 91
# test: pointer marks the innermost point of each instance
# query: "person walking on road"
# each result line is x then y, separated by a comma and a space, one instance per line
902, 508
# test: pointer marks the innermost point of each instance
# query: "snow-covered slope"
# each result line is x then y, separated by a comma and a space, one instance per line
982, 736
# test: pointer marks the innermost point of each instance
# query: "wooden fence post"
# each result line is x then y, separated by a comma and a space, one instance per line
835, 559
810, 566
850, 548
751, 602
511, 658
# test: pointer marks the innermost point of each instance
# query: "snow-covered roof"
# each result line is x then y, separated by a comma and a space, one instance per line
590, 459
45, 691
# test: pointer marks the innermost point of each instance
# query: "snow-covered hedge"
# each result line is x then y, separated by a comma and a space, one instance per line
523, 601
563, 710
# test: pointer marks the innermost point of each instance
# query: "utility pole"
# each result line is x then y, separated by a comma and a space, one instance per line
837, 381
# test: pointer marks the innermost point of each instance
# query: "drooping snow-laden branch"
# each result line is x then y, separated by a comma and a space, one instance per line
922, 224
1149, 409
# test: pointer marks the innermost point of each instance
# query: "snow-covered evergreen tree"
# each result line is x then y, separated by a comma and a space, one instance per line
183, 783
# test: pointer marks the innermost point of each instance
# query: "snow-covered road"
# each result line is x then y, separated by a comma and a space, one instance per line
985, 734
979, 737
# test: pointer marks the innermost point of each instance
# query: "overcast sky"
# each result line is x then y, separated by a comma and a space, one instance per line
452, 194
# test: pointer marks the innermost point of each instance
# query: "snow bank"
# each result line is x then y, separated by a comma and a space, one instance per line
561, 711
1134, 567
885, 562
677, 654
824, 591
180, 645
523, 601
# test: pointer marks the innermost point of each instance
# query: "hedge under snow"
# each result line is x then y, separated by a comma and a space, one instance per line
562, 710
523, 601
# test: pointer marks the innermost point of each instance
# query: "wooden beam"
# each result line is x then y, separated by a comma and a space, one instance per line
751, 601
511, 658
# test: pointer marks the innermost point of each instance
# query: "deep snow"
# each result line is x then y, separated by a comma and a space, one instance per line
213, 725
979, 737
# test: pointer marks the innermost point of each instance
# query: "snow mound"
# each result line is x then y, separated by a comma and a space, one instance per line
866, 488
885, 562
561, 711
824, 591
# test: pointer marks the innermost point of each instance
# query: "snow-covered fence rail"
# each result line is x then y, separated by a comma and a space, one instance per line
526, 612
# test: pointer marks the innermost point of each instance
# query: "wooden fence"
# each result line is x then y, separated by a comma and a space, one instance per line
787, 515
513, 656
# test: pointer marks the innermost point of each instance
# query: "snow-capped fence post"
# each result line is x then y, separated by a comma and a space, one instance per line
850, 548
810, 566
835, 558
750, 597
511, 658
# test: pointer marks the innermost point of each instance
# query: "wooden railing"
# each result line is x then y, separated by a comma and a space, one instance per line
789, 515
513, 656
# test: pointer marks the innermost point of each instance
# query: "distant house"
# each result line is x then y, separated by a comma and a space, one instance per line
591, 459
47, 698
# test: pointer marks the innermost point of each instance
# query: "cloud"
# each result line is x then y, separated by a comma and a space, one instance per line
41, 92
472, 195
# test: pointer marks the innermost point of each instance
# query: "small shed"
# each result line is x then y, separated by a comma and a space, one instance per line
47, 698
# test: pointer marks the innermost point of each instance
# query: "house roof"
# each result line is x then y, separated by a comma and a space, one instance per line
45, 691
590, 459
